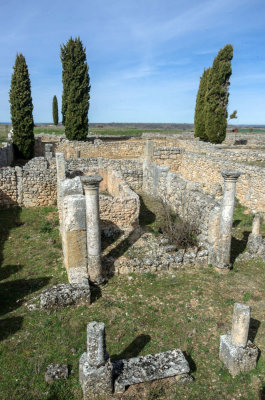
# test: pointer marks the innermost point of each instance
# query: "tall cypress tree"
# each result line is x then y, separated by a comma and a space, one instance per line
55, 110
217, 95
76, 88
21, 109
199, 118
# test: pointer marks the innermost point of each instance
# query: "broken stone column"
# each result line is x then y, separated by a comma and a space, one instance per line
61, 174
60, 166
256, 224
226, 220
149, 150
95, 368
237, 352
48, 150
91, 188
74, 238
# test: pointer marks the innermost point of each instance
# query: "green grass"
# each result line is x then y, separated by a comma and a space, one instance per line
147, 313
111, 131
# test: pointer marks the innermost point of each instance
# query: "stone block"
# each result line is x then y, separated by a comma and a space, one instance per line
74, 213
55, 372
95, 381
237, 359
75, 250
63, 295
149, 368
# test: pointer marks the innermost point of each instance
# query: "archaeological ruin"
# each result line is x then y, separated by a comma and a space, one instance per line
98, 186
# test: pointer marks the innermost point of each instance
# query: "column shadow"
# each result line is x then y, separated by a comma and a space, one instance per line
9, 326
238, 246
133, 349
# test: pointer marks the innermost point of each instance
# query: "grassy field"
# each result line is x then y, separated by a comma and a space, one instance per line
113, 131
143, 314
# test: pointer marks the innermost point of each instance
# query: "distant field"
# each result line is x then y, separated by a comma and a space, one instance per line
115, 131
248, 130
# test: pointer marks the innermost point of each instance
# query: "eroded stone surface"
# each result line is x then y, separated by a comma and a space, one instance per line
55, 372
95, 381
149, 368
63, 295
237, 359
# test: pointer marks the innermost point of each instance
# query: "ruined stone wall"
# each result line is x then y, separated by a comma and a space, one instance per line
170, 157
9, 185
131, 170
132, 148
121, 206
6, 154
31, 186
187, 199
205, 170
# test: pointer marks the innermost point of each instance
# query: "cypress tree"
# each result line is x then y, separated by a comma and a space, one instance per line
199, 118
55, 110
21, 109
75, 99
217, 95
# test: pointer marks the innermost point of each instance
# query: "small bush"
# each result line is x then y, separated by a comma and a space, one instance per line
180, 232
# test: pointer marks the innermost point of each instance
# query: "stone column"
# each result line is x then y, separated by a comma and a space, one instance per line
96, 347
226, 221
60, 166
48, 150
240, 324
256, 224
149, 150
95, 367
61, 174
91, 188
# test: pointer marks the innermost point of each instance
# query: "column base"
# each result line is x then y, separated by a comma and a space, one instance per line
95, 270
95, 382
237, 359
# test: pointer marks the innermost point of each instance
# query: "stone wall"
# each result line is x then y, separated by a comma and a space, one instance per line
205, 170
131, 170
33, 185
131, 148
187, 199
6, 154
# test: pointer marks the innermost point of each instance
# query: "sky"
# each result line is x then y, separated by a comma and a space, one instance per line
145, 57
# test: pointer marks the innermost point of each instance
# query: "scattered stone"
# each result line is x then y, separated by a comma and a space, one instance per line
55, 372
64, 295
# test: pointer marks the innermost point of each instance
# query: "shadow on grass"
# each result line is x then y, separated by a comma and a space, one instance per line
238, 246
191, 362
13, 292
262, 393
8, 270
9, 326
133, 349
95, 292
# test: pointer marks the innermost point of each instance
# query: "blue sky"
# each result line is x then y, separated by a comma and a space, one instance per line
145, 57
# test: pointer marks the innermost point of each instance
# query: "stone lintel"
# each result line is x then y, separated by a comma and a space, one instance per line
230, 175
91, 181
237, 359
149, 368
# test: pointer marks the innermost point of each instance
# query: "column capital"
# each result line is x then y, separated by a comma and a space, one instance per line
230, 175
91, 181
